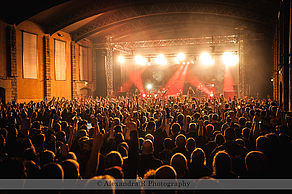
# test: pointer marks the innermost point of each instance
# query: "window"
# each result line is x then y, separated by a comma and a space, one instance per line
29, 55
60, 60
83, 63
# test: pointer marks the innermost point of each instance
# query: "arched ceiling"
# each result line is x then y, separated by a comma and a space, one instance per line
165, 26
153, 19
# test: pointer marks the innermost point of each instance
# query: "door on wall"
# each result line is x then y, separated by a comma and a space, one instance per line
2, 95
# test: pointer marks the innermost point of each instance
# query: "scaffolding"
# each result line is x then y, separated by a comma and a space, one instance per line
109, 67
241, 67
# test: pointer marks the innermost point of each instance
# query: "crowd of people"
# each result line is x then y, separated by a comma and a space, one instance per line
148, 138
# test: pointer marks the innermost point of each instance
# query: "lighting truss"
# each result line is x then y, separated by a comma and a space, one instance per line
130, 46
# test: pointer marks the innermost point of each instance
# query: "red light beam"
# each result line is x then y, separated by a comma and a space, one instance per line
194, 81
228, 82
136, 79
176, 83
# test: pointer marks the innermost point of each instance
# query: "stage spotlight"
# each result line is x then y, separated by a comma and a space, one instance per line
139, 60
211, 95
230, 59
181, 57
121, 59
143, 95
161, 60
206, 59
149, 86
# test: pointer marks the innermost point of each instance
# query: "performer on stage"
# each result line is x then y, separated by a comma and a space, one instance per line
137, 92
191, 92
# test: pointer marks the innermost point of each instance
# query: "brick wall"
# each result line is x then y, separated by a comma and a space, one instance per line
47, 68
7, 57
74, 70
3, 54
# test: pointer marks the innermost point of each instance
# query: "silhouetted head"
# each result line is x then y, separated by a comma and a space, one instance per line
180, 141
191, 144
193, 127
256, 163
245, 133
32, 169
71, 169
47, 156
168, 143
113, 158
222, 163
52, 171
61, 136
209, 130
151, 127
147, 147
242, 121
219, 139
175, 128
179, 163
229, 134
165, 172
198, 157
150, 137
263, 144
115, 172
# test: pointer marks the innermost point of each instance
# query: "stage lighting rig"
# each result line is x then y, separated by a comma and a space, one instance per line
180, 57
121, 59
161, 60
206, 59
230, 59
139, 60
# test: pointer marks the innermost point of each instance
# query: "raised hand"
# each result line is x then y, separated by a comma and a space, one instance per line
25, 126
97, 141
64, 150
93, 161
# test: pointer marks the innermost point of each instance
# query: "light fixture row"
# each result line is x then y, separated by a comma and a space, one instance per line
228, 58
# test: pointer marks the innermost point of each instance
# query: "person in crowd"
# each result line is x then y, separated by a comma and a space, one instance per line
197, 166
256, 165
166, 154
71, 169
190, 146
222, 166
180, 145
147, 159
179, 163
